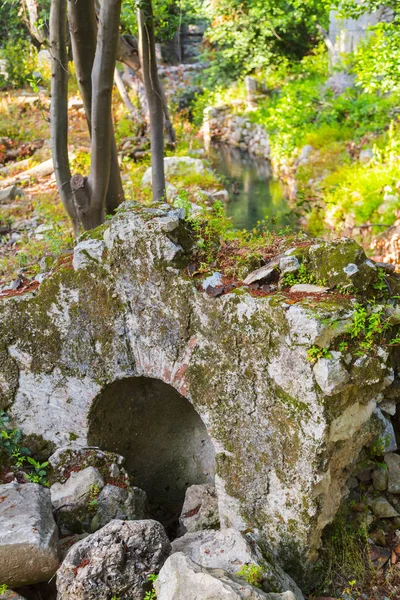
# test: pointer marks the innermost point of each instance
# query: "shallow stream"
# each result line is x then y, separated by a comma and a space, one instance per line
254, 193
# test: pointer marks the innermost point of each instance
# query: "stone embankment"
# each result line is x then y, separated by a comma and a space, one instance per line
221, 125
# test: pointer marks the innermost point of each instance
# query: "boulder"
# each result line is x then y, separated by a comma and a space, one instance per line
341, 263
11, 595
10, 192
66, 460
73, 500
382, 508
182, 579
126, 504
380, 478
176, 165
200, 509
115, 561
330, 374
393, 465
231, 550
28, 535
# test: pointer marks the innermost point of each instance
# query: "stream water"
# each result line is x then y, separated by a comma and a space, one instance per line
254, 193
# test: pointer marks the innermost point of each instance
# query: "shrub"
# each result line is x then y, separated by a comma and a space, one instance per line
21, 62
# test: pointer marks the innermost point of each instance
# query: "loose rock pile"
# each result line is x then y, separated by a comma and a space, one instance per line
108, 547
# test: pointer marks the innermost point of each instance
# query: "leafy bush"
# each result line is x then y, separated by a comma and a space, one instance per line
21, 62
377, 60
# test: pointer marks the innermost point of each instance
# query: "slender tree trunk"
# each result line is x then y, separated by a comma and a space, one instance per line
133, 111
102, 85
128, 54
32, 20
147, 55
59, 106
83, 28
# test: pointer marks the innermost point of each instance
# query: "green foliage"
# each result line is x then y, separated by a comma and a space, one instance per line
39, 473
18, 456
367, 328
345, 553
21, 61
253, 574
248, 35
377, 60
300, 276
315, 353
94, 492
151, 595
210, 226
379, 447
3, 588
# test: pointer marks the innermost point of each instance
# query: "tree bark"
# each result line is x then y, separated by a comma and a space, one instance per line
102, 131
133, 111
59, 106
83, 28
128, 54
147, 54
32, 10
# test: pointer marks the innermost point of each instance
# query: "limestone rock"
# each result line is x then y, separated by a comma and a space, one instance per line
182, 579
176, 165
200, 509
342, 263
387, 435
72, 500
75, 491
308, 288
28, 535
330, 374
230, 550
393, 464
116, 560
266, 273
380, 478
366, 155
289, 264
126, 504
11, 595
10, 192
382, 508
67, 459
87, 253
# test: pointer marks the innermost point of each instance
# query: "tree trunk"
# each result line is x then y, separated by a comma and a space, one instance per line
59, 106
147, 55
32, 10
133, 111
128, 54
83, 28
103, 140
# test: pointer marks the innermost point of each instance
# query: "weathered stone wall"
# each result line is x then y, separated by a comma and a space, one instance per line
221, 125
285, 432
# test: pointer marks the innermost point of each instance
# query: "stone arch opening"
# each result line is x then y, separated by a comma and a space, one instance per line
165, 443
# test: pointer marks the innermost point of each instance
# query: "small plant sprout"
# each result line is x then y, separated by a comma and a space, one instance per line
315, 353
151, 595
253, 574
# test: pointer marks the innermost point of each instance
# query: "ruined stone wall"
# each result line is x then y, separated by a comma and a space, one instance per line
220, 125
285, 432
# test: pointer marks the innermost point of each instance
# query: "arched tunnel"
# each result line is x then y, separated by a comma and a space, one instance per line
165, 443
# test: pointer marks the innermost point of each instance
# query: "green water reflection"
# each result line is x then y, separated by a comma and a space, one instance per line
254, 193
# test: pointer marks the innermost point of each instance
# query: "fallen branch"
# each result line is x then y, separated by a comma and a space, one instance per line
43, 170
